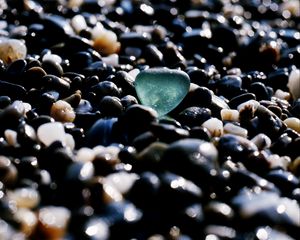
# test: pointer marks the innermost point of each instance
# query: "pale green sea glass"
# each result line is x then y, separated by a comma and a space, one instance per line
161, 88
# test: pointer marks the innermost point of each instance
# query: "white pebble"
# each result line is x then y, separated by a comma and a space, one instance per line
294, 83
11, 50
99, 149
112, 60
113, 151
50, 132
27, 219
251, 103
52, 57
122, 181
62, 111
143, 29
85, 154
97, 30
293, 123
97, 228
230, 115
214, 126
236, 130
282, 94
262, 141
78, 23
27, 107
19, 106
70, 142
53, 221
24, 197
111, 194
11, 137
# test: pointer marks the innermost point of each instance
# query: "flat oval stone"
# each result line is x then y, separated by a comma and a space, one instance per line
161, 88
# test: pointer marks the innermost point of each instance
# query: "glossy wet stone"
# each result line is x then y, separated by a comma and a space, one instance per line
238, 148
101, 132
194, 116
264, 206
162, 89
193, 158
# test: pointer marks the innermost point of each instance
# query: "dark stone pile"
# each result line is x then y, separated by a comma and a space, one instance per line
81, 158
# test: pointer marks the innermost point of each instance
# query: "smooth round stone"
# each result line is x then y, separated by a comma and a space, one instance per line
294, 83
229, 86
236, 130
237, 147
214, 126
96, 228
62, 111
293, 123
162, 89
122, 181
50, 132
27, 219
101, 132
11, 50
24, 197
194, 116
191, 158
269, 205
53, 221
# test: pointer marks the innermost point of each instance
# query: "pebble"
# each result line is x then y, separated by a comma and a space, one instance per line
53, 221
11, 137
214, 126
293, 123
201, 156
48, 133
78, 23
262, 141
105, 42
284, 209
9, 174
62, 111
194, 116
28, 221
294, 83
230, 115
12, 50
236, 130
122, 181
253, 104
162, 89
24, 197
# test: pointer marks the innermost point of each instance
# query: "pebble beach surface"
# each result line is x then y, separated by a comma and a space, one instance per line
139, 119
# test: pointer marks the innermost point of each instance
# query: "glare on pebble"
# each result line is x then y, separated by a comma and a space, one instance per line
281, 209
262, 234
